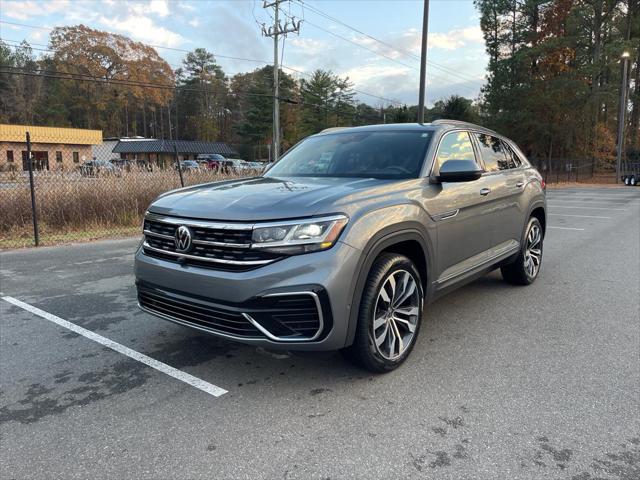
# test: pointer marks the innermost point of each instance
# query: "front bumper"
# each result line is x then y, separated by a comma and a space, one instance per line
236, 305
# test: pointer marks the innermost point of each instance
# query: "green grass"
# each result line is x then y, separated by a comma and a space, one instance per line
25, 239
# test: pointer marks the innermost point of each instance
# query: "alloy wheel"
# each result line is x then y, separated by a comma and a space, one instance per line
533, 251
396, 314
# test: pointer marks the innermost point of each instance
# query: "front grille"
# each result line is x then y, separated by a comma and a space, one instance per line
286, 317
222, 247
199, 314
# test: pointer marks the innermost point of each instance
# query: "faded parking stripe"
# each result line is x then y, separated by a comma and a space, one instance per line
140, 357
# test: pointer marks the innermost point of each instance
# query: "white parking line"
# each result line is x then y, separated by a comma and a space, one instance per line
591, 198
557, 205
566, 228
162, 367
570, 215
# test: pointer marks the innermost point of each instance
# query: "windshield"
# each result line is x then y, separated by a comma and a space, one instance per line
381, 154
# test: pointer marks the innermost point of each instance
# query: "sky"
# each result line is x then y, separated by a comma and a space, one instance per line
380, 57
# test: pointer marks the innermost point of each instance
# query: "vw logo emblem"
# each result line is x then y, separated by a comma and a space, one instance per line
183, 239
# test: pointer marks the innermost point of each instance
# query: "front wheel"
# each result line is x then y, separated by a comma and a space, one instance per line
389, 315
524, 270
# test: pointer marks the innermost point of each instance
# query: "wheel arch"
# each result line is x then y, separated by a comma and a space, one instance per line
539, 211
407, 239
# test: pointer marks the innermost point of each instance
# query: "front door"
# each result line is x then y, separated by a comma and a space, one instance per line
463, 211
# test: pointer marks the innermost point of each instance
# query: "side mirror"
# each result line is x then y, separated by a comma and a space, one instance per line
459, 171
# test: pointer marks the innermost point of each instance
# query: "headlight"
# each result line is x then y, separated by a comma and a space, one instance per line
299, 237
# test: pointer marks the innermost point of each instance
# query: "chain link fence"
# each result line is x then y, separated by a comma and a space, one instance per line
574, 170
53, 194
57, 194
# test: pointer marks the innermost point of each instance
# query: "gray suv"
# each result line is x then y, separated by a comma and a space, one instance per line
344, 241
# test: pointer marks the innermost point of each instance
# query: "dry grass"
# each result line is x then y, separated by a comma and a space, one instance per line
72, 208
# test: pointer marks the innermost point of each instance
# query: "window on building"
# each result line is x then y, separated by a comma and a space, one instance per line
76, 157
10, 156
39, 160
59, 157
492, 151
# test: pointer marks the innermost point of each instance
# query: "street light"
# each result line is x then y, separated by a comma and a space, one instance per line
623, 110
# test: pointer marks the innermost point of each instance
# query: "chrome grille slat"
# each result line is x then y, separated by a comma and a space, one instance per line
214, 245
207, 259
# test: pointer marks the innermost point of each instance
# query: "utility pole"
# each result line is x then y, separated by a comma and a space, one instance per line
623, 110
275, 31
423, 61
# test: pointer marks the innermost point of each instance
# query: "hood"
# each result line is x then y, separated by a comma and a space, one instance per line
263, 198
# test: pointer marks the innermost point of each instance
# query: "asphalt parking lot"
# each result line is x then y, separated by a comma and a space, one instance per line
539, 382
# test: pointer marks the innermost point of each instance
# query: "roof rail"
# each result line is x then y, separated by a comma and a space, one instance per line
332, 129
444, 121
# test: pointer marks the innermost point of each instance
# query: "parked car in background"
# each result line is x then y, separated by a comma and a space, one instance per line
124, 164
189, 165
240, 166
213, 161
343, 242
95, 168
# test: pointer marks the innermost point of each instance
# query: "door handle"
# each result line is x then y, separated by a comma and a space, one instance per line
519, 184
485, 191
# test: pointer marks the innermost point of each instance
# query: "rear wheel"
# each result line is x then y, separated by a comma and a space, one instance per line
389, 315
632, 181
524, 270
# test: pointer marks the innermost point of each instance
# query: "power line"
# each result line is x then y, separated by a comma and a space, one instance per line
381, 54
264, 62
401, 50
254, 83
80, 77
359, 44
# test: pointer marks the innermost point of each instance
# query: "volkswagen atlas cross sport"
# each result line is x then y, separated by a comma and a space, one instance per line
342, 243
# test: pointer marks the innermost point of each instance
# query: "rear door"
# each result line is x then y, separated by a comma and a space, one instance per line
463, 212
507, 187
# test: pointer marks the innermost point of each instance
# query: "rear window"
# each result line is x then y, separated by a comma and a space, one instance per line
381, 154
512, 157
493, 152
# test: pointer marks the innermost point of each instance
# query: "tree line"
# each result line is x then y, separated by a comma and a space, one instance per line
553, 84
555, 74
98, 80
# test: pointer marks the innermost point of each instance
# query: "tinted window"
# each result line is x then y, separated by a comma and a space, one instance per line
382, 154
493, 152
456, 146
512, 158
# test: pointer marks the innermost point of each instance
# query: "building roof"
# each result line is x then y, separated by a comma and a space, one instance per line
70, 136
167, 146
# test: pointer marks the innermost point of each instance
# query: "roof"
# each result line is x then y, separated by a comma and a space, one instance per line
167, 146
70, 136
436, 124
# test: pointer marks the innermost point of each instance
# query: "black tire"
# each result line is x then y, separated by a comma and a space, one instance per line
517, 272
632, 181
363, 351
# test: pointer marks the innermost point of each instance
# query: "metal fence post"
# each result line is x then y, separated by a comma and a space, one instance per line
178, 166
34, 211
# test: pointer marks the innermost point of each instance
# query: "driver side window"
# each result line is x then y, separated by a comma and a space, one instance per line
455, 146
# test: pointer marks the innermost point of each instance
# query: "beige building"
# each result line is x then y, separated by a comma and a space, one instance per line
52, 148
